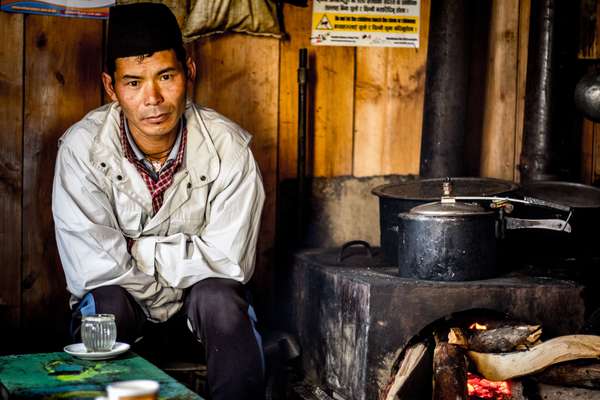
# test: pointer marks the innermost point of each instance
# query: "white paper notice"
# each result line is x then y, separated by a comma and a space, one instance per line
378, 23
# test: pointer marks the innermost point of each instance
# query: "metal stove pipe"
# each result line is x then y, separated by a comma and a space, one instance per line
444, 114
548, 95
536, 156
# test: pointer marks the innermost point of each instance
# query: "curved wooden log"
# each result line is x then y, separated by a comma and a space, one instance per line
503, 366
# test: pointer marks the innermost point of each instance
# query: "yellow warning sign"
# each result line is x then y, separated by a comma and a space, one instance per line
366, 23
324, 23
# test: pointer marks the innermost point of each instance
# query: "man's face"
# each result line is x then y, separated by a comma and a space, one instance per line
151, 91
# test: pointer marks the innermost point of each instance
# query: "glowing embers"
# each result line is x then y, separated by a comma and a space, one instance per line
481, 388
478, 327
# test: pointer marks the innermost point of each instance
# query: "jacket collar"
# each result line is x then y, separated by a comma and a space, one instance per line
201, 161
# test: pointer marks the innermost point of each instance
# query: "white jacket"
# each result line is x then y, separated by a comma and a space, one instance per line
207, 226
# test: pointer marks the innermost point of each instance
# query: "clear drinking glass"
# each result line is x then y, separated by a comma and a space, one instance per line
98, 332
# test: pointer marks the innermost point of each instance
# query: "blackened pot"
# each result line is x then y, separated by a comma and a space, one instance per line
447, 242
398, 198
546, 247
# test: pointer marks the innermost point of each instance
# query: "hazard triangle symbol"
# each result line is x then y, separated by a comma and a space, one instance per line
324, 23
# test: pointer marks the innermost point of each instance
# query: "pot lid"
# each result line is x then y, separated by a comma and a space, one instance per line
570, 194
431, 189
457, 209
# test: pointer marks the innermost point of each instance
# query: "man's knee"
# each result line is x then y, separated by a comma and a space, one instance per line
112, 300
128, 314
220, 303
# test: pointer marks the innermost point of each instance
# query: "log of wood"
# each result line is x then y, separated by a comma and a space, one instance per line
411, 358
497, 340
457, 336
571, 374
449, 372
500, 367
517, 391
504, 339
550, 392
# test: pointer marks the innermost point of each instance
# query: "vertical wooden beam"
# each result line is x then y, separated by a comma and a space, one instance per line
388, 115
523, 45
333, 111
332, 94
238, 77
589, 27
11, 169
63, 62
499, 126
297, 25
587, 151
596, 153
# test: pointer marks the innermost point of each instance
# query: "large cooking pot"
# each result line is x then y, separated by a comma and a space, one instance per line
453, 241
398, 198
553, 247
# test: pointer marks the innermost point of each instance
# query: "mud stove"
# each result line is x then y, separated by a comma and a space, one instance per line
353, 316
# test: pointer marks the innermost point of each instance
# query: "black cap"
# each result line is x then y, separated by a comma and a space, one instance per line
141, 28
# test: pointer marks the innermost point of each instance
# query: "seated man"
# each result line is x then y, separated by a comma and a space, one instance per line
157, 203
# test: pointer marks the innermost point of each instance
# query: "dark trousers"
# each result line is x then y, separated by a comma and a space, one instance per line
218, 314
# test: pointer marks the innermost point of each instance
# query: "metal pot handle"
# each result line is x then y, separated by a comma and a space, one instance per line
351, 243
551, 224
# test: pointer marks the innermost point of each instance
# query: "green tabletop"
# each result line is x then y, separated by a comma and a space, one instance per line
61, 376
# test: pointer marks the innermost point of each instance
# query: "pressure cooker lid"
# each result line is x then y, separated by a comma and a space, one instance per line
431, 189
457, 209
569, 194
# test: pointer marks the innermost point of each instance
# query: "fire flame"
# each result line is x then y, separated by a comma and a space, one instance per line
477, 326
484, 389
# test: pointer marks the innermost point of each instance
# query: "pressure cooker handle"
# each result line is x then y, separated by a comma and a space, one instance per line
532, 201
351, 243
551, 224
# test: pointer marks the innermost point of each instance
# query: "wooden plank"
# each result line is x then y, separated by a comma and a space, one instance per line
523, 43
63, 58
499, 124
331, 101
388, 116
11, 164
297, 25
589, 43
596, 154
238, 77
587, 151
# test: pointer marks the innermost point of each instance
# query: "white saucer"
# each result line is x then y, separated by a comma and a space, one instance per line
78, 350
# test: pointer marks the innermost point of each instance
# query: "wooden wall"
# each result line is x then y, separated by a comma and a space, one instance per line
365, 117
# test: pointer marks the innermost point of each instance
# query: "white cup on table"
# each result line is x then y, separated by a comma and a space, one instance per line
141, 389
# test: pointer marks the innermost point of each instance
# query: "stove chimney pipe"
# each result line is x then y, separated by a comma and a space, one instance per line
444, 113
549, 112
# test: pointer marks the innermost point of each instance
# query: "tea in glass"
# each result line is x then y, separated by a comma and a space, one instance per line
98, 332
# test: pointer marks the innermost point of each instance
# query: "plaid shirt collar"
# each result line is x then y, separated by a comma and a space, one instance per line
139, 155
157, 183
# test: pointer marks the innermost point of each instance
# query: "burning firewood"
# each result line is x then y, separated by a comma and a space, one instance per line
411, 358
449, 372
504, 339
503, 366
498, 340
457, 337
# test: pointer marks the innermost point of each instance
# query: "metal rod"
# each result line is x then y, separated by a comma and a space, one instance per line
301, 163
